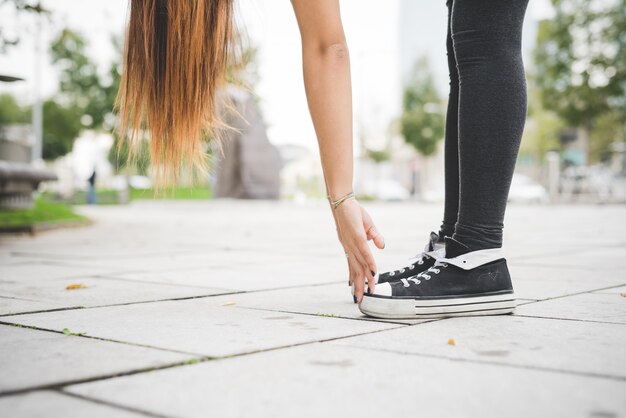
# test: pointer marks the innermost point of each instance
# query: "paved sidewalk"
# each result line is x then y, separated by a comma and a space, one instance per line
242, 309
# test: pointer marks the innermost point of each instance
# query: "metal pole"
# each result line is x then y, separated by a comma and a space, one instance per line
37, 104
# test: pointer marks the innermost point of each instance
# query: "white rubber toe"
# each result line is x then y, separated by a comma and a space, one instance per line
383, 289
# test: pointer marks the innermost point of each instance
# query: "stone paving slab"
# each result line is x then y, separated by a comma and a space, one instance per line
544, 282
33, 358
201, 326
131, 260
598, 262
572, 346
327, 380
52, 293
15, 272
45, 404
10, 306
260, 275
601, 307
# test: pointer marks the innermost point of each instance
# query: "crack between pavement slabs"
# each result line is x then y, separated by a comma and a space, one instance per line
321, 315
200, 358
495, 363
60, 385
232, 292
575, 294
567, 319
93, 337
110, 404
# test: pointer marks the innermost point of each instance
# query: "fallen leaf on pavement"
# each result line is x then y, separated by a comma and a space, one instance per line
75, 286
451, 341
623, 295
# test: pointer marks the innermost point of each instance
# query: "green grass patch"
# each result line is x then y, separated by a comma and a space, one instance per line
44, 212
174, 193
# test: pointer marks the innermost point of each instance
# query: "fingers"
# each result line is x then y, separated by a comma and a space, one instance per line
366, 259
358, 282
371, 282
372, 232
376, 237
365, 270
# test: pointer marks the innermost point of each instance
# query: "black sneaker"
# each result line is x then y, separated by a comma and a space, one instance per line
463, 283
423, 261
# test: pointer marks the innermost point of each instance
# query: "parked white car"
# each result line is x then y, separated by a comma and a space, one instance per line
526, 190
385, 189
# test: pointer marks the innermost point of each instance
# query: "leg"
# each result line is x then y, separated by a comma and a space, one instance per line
473, 278
486, 36
451, 145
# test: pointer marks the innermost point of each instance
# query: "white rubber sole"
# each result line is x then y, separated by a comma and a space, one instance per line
388, 308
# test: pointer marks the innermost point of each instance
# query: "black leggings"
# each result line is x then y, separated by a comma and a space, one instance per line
485, 119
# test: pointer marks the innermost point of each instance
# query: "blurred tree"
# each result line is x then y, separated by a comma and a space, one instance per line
61, 125
84, 100
608, 129
542, 130
581, 61
422, 121
378, 156
79, 83
11, 111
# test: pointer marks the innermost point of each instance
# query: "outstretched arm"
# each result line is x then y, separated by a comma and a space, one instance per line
326, 63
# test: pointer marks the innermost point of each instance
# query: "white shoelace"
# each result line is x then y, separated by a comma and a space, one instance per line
420, 261
424, 275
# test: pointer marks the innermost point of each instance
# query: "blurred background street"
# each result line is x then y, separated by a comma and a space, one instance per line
226, 293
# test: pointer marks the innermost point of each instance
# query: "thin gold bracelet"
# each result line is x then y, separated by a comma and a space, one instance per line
335, 203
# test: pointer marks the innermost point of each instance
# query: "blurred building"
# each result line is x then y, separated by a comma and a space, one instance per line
248, 166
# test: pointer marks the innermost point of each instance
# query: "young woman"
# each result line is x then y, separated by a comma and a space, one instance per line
176, 58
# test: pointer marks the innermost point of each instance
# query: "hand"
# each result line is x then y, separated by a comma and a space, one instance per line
354, 228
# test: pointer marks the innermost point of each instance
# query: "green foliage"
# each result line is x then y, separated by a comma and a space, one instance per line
61, 125
85, 99
542, 130
422, 122
378, 156
608, 128
80, 86
11, 111
581, 60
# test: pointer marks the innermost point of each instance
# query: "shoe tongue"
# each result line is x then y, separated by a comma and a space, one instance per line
455, 248
432, 241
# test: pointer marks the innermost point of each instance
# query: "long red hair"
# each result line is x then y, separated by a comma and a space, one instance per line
176, 55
